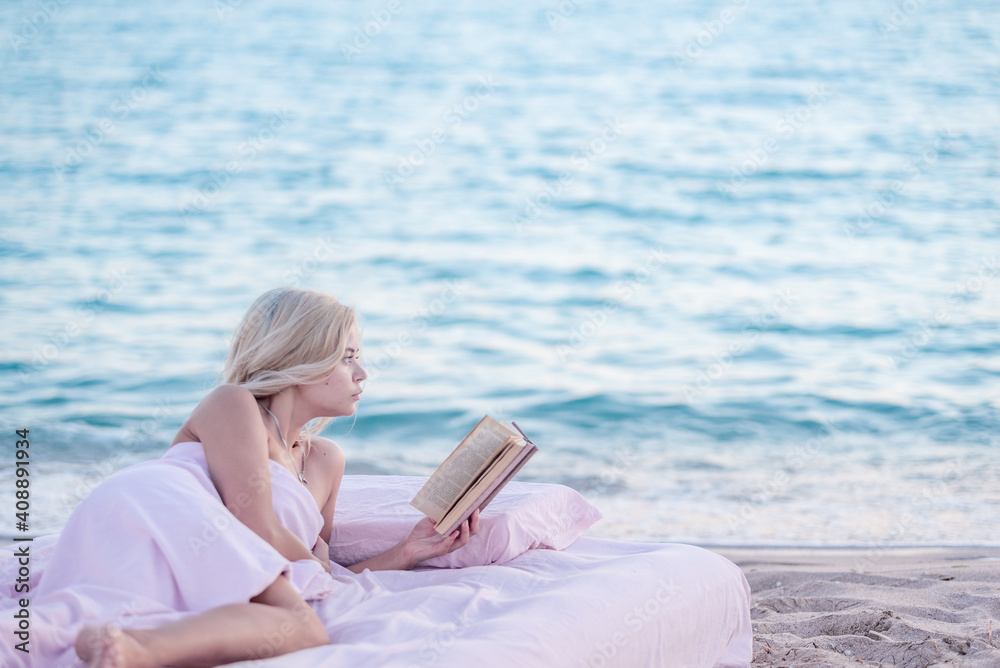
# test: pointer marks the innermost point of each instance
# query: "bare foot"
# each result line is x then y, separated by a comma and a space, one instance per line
111, 647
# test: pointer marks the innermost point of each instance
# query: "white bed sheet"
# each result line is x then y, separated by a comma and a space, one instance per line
599, 603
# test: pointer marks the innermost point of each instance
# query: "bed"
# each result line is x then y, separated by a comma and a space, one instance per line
530, 590
533, 590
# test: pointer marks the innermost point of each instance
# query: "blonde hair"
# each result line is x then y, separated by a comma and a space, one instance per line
289, 336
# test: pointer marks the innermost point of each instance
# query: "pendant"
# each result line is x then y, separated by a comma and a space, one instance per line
302, 477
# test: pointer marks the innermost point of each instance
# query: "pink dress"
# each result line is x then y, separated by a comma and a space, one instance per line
152, 544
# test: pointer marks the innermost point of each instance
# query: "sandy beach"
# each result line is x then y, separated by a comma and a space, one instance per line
911, 607
905, 607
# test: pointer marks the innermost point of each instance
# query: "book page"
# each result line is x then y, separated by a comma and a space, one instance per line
463, 466
475, 492
485, 470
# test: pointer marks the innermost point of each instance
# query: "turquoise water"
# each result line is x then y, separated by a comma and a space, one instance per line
733, 266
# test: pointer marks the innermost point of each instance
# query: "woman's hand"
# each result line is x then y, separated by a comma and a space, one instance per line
423, 542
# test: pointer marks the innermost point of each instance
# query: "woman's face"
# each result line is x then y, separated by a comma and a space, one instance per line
338, 394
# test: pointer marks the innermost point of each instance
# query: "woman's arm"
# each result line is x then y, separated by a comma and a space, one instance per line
229, 426
421, 544
322, 552
326, 464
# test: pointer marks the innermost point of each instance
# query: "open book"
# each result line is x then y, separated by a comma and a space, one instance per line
485, 461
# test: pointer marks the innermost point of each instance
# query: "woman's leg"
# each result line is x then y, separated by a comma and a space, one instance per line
276, 622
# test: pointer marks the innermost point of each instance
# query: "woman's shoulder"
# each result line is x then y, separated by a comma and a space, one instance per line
227, 399
327, 462
228, 393
327, 457
229, 405
326, 450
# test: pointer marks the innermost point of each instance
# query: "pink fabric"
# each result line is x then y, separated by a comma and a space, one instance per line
374, 513
597, 604
152, 544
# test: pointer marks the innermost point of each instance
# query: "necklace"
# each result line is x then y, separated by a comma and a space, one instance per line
302, 473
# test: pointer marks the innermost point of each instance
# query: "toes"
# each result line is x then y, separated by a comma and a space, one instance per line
99, 646
88, 642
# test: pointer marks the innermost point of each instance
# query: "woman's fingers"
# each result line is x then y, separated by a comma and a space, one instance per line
474, 522
459, 537
462, 538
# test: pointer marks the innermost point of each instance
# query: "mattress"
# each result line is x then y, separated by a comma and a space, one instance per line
598, 603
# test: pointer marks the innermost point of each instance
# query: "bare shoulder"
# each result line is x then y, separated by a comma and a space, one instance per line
329, 462
224, 407
228, 398
327, 452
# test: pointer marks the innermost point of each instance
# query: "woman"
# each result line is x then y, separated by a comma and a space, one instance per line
238, 589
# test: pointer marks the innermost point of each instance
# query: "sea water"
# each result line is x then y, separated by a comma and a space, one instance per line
733, 266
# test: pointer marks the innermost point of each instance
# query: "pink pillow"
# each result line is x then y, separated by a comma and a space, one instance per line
374, 513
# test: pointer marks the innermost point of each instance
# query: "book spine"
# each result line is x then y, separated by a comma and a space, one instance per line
517, 467
494, 489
